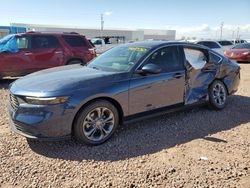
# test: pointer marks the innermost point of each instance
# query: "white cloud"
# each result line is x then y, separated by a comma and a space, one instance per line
107, 13
206, 31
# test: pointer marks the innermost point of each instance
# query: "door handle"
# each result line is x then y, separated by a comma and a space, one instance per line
177, 75
27, 53
58, 52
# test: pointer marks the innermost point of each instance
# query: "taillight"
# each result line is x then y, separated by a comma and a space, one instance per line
246, 53
92, 51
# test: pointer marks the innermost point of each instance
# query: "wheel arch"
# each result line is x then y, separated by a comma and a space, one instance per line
75, 59
221, 80
109, 99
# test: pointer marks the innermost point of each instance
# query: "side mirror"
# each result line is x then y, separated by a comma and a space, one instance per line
151, 69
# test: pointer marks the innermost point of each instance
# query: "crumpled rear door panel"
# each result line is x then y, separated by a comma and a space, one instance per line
198, 81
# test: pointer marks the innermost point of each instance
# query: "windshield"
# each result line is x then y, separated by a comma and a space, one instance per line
242, 46
119, 59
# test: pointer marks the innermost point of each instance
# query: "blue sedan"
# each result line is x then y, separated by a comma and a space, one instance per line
128, 82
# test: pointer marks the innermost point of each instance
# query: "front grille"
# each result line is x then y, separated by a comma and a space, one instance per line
14, 102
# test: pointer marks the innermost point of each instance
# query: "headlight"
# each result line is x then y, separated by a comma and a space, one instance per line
46, 100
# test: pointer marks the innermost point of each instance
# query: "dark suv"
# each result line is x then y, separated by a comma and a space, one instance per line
36, 51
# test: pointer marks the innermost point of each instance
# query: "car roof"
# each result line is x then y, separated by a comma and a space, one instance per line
48, 33
207, 41
156, 44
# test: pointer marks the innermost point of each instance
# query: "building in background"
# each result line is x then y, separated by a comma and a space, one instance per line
159, 34
116, 35
5, 30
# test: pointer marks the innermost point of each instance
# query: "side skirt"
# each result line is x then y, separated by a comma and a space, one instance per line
161, 111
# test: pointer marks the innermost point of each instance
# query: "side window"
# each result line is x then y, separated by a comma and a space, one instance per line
196, 58
214, 58
167, 58
75, 41
45, 42
23, 42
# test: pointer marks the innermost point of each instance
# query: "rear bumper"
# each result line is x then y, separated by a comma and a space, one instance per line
232, 83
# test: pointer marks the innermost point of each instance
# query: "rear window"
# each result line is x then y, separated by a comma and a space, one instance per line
75, 41
225, 43
209, 44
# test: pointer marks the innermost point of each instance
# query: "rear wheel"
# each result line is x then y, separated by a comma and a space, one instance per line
217, 95
96, 122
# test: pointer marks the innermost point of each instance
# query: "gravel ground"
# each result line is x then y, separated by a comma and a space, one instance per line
195, 148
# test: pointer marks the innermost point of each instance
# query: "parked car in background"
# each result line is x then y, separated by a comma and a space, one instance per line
240, 53
34, 51
101, 46
238, 41
98, 42
127, 82
219, 46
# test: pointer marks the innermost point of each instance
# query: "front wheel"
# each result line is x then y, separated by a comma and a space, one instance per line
96, 122
217, 95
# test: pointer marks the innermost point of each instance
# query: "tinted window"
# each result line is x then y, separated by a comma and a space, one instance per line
214, 58
167, 58
242, 46
196, 58
225, 43
44, 42
98, 42
23, 42
209, 44
75, 41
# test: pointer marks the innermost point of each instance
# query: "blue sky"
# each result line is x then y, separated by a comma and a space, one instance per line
190, 18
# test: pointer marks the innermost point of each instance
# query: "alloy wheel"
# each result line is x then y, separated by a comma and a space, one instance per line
219, 94
98, 124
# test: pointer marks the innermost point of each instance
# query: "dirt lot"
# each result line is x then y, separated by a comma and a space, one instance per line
196, 148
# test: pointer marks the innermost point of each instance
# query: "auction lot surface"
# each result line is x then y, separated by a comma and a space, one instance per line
195, 148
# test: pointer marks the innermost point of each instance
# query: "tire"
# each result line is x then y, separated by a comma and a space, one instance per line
73, 62
90, 127
217, 95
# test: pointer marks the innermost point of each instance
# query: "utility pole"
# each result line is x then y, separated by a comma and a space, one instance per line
102, 25
238, 31
221, 28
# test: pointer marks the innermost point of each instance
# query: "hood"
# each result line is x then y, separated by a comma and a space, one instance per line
68, 77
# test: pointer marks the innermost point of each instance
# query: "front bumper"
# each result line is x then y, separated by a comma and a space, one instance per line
52, 122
